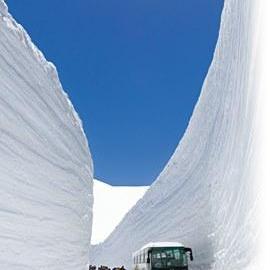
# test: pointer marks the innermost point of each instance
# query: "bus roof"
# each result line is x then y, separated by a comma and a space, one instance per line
159, 244
162, 244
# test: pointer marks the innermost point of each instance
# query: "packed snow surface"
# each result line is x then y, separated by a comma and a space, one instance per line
213, 195
46, 167
111, 203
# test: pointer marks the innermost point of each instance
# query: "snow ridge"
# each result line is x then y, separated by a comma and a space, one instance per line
46, 168
48, 66
3, 8
111, 203
214, 189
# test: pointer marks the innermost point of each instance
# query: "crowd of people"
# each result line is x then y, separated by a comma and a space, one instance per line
103, 267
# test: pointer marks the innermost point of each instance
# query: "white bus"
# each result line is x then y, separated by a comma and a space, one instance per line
162, 256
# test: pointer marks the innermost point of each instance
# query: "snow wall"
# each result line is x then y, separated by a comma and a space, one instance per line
46, 167
212, 194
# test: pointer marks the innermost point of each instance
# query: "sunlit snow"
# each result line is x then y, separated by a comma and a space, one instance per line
45, 165
111, 203
213, 195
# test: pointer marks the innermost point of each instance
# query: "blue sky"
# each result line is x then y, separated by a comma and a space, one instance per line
133, 70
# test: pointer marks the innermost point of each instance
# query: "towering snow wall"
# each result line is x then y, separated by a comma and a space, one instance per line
45, 164
212, 195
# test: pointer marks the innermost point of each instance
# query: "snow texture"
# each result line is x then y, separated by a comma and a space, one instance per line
46, 168
111, 203
213, 195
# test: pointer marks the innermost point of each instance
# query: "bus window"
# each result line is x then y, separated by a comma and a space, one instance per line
169, 254
168, 258
180, 257
156, 260
176, 254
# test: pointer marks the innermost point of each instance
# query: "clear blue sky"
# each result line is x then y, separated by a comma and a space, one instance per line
133, 70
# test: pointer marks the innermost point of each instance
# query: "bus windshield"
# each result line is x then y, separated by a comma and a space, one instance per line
168, 258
